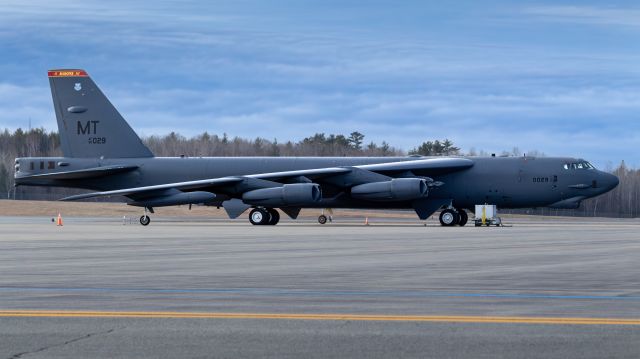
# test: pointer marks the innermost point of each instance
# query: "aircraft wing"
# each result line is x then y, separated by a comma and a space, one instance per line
158, 188
376, 172
425, 167
214, 182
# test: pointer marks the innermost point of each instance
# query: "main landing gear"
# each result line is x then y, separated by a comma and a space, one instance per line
264, 216
453, 216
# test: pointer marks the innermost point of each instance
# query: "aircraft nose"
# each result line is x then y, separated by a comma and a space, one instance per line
609, 181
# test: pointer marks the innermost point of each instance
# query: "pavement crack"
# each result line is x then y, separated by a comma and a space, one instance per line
86, 336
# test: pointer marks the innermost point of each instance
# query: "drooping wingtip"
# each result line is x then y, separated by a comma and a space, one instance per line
67, 73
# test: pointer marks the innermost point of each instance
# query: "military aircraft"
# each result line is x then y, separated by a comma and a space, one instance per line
102, 153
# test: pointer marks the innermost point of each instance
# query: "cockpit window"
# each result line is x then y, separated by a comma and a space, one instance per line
578, 166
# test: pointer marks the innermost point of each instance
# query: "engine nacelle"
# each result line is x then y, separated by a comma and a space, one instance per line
295, 194
398, 189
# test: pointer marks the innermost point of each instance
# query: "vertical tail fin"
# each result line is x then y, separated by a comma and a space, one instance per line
88, 124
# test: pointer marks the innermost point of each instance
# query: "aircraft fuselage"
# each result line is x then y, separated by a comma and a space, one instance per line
509, 182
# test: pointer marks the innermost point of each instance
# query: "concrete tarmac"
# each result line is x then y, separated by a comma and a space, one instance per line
538, 289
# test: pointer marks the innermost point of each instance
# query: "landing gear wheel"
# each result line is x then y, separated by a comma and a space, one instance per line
259, 216
145, 220
322, 219
463, 217
274, 216
449, 218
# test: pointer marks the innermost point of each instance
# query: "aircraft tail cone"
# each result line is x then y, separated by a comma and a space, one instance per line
59, 221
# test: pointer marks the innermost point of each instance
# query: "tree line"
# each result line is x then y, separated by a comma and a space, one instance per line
624, 201
320, 144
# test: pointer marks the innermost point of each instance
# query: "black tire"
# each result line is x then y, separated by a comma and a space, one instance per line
464, 217
145, 220
274, 216
259, 216
322, 219
449, 217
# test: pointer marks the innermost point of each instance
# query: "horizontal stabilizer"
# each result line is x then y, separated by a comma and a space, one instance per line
86, 173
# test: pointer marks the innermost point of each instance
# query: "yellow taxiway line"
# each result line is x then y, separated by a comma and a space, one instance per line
300, 316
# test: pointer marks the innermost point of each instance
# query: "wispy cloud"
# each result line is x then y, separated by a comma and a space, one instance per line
588, 14
21, 105
403, 74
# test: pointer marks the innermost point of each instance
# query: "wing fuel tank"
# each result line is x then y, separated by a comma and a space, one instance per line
176, 199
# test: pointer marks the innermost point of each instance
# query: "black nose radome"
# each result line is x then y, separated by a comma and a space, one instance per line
610, 181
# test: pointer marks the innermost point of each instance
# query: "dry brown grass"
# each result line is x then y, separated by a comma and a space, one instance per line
92, 209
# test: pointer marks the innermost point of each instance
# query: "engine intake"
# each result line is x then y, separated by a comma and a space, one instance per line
288, 195
398, 189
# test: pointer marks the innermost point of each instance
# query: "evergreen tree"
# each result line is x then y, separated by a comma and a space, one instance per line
355, 140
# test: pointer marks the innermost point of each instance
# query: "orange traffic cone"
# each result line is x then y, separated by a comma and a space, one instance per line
366, 221
59, 221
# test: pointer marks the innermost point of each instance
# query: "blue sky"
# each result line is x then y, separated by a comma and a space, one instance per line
559, 77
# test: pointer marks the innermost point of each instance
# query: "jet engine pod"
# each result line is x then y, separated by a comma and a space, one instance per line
287, 195
398, 189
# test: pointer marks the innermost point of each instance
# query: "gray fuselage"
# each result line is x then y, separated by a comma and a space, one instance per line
509, 182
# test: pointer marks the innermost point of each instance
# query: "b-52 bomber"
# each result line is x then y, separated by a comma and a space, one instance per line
103, 154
